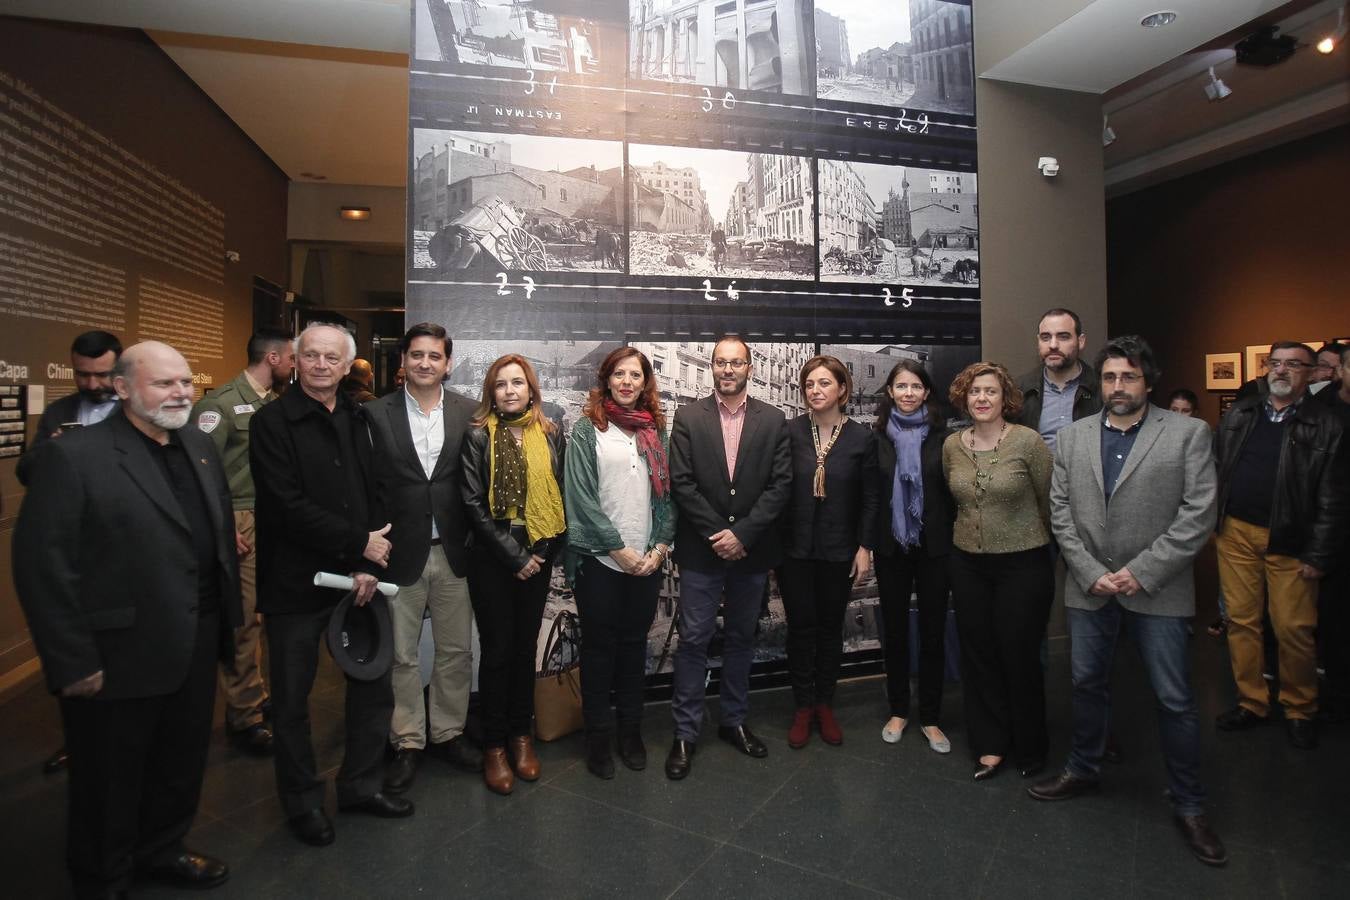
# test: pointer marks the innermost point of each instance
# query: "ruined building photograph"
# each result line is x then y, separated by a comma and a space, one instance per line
577, 37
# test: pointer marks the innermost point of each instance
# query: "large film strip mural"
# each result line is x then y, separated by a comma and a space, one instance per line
586, 173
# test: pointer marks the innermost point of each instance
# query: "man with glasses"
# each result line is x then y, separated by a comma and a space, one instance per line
1131, 504
1282, 504
731, 475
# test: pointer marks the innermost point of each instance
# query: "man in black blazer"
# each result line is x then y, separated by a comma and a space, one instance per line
731, 476
315, 511
417, 433
92, 357
124, 559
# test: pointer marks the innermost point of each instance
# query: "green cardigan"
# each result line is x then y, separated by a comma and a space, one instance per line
589, 532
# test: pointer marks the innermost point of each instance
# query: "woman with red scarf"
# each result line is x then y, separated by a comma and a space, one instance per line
620, 524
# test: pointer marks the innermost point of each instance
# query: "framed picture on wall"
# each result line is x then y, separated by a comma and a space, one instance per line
1256, 360
1223, 371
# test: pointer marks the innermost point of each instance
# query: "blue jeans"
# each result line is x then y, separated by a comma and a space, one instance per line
1162, 644
700, 596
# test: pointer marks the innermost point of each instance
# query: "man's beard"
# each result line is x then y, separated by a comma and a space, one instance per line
738, 385
170, 418
1065, 363
1280, 388
1124, 406
98, 395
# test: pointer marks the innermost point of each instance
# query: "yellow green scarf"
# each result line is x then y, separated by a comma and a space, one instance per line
544, 517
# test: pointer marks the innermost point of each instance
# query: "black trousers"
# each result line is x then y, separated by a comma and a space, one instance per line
898, 577
616, 615
136, 770
508, 612
1333, 639
815, 595
1002, 603
293, 644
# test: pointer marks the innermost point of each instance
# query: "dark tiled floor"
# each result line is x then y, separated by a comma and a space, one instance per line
865, 819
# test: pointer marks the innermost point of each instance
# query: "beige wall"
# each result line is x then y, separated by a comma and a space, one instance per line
312, 214
1042, 240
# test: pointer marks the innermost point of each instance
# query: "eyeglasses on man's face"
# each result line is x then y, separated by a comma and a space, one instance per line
1291, 365
1122, 378
736, 364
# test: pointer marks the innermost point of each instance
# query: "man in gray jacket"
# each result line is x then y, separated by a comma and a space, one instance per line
1132, 502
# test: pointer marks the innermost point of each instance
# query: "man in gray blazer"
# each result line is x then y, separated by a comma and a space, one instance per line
1132, 502
417, 432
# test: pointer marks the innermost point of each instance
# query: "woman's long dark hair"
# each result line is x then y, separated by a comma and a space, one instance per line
914, 367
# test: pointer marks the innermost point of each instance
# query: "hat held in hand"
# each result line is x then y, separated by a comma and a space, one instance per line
361, 638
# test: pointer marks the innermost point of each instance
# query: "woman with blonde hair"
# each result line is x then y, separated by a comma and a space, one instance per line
1001, 571
512, 461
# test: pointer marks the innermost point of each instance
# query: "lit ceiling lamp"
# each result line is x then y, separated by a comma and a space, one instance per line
1158, 19
1329, 43
354, 213
1108, 133
1216, 89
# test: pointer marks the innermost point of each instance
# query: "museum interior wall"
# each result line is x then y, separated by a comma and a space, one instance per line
123, 184
1245, 253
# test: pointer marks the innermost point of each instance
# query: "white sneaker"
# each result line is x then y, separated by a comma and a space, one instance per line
938, 745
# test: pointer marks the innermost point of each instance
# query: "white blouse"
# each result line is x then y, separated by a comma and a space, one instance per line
625, 489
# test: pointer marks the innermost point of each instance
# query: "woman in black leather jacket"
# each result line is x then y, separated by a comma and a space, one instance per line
512, 461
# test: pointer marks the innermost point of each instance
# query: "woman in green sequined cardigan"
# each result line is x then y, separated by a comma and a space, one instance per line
620, 525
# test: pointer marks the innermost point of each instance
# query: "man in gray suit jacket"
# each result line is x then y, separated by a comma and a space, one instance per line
417, 432
1132, 502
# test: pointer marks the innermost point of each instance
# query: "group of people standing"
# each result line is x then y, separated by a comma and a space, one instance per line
468, 506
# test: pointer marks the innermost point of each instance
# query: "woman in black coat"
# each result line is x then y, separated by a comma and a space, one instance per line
829, 523
512, 460
914, 536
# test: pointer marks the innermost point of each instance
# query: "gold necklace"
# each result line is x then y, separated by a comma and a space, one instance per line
983, 477
818, 482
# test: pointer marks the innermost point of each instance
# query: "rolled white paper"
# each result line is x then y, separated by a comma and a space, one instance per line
345, 583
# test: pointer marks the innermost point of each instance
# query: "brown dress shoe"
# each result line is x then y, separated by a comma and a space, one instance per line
1202, 840
497, 774
523, 759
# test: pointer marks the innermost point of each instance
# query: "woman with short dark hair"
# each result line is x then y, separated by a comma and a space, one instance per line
829, 524
1001, 570
512, 461
620, 526
914, 538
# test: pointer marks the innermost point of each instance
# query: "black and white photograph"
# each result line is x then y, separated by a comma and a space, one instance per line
720, 213
898, 224
870, 364
484, 202
1223, 371
573, 37
700, 42
916, 54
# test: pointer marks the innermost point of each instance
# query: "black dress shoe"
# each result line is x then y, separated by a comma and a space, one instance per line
679, 759
1302, 733
985, 771
402, 769
313, 827
1031, 769
56, 762
459, 753
1113, 754
599, 755
1064, 786
1204, 843
632, 751
189, 870
743, 740
1239, 718
255, 739
381, 805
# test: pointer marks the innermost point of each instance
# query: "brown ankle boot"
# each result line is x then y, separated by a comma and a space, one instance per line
523, 759
497, 773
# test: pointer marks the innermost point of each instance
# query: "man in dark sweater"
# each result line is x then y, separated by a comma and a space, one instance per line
1282, 502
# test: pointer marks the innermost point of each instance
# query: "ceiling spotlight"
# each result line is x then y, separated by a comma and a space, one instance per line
1329, 43
1158, 19
1108, 134
1216, 89
354, 213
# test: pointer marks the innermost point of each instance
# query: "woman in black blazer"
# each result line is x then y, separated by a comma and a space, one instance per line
512, 460
914, 537
829, 524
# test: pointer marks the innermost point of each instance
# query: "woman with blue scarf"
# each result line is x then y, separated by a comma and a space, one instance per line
914, 537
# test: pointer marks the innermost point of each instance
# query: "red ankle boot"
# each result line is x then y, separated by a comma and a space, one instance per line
800, 732
830, 732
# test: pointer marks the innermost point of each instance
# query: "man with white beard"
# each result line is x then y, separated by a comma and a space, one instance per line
1282, 505
124, 560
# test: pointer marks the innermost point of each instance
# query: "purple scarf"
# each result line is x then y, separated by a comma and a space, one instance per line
907, 433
